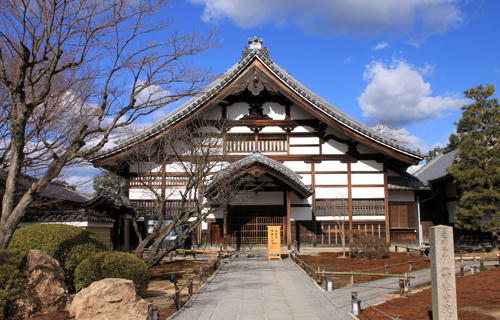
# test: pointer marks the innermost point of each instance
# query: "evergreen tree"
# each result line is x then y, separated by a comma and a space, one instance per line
110, 182
477, 171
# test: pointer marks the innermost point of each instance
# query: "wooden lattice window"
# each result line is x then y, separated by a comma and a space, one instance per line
151, 207
368, 207
332, 207
403, 216
360, 207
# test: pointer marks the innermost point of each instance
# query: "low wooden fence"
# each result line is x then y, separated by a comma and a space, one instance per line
204, 274
408, 249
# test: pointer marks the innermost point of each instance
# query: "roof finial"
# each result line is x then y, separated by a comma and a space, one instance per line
255, 43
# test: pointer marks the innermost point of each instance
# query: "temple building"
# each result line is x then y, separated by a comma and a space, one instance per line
316, 164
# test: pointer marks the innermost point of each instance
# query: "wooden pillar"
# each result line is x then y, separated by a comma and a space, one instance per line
224, 229
313, 213
349, 194
126, 234
386, 195
288, 223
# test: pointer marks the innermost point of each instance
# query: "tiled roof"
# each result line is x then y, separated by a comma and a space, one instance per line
113, 198
258, 158
64, 216
406, 183
436, 168
55, 191
213, 89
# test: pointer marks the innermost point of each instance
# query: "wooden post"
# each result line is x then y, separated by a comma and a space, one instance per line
288, 229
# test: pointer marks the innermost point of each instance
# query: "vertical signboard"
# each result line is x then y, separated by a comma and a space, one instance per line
273, 242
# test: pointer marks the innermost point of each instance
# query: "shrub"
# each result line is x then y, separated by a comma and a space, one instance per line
67, 244
368, 247
113, 264
12, 279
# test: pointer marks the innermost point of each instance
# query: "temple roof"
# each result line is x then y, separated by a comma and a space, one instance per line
257, 158
114, 199
255, 52
436, 168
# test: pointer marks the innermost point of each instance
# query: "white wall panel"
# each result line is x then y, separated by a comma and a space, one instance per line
237, 110
329, 193
300, 213
303, 129
330, 166
174, 167
401, 196
360, 178
306, 179
142, 194
333, 147
298, 165
274, 110
331, 179
294, 199
367, 165
271, 129
304, 150
304, 140
354, 218
367, 193
262, 198
240, 130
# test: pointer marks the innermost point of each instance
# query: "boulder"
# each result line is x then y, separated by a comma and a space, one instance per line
46, 291
112, 299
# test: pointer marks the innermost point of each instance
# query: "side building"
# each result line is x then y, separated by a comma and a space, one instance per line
317, 164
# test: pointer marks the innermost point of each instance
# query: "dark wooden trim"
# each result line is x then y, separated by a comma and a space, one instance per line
304, 145
301, 206
386, 195
349, 195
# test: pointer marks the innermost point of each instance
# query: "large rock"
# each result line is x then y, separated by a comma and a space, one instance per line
109, 299
46, 291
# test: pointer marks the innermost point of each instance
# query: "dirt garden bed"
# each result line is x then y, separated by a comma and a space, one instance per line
330, 261
478, 298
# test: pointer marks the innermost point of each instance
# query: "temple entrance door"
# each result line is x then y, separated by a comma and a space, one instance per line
248, 224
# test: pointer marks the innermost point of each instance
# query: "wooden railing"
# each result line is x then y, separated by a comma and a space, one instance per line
151, 207
149, 180
264, 145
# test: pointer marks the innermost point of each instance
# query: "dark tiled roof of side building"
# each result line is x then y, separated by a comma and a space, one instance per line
113, 198
436, 168
64, 216
406, 183
213, 89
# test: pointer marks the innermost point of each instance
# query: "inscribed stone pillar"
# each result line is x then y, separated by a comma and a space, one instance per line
442, 255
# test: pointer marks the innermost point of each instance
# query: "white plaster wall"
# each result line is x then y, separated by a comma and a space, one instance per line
306, 179
294, 199
262, 198
237, 110
354, 218
142, 194
331, 179
175, 167
300, 213
271, 129
204, 225
401, 196
367, 165
304, 150
333, 147
145, 167
452, 209
240, 130
298, 165
304, 140
297, 113
331, 193
330, 166
367, 193
360, 178
274, 110
303, 129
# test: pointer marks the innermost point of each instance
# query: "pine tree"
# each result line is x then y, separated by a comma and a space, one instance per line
477, 171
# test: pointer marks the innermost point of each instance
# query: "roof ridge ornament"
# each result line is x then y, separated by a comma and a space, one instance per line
255, 43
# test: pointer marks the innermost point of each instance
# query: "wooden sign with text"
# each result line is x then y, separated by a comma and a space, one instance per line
273, 242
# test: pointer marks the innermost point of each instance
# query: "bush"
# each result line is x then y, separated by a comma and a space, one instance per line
12, 279
368, 247
113, 264
67, 244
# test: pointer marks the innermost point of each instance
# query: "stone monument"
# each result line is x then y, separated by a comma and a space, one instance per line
442, 255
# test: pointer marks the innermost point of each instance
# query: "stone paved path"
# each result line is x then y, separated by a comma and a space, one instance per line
255, 288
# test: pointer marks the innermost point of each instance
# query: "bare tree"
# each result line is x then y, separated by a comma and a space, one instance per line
175, 173
388, 128
339, 210
72, 72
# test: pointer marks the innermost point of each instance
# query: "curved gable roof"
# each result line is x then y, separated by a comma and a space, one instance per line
212, 90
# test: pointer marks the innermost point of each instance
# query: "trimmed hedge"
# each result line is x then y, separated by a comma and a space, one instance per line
67, 244
113, 264
13, 280
368, 247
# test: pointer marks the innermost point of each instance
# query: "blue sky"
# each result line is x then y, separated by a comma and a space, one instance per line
408, 61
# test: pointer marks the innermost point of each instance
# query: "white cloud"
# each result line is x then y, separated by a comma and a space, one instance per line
380, 46
339, 16
347, 60
399, 93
